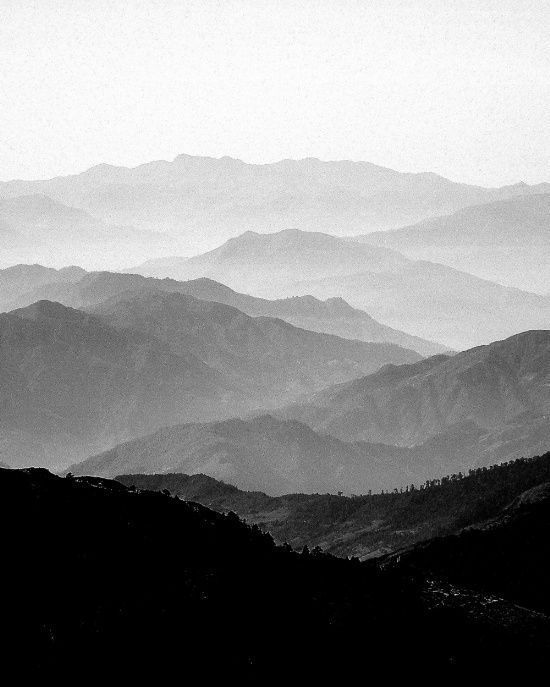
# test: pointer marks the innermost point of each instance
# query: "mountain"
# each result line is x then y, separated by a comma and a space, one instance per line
20, 279
437, 302
333, 316
209, 200
126, 573
506, 241
429, 300
280, 456
36, 228
269, 358
70, 384
364, 526
262, 453
501, 389
246, 261
74, 383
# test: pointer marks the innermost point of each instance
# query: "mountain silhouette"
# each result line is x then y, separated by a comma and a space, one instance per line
209, 200
505, 241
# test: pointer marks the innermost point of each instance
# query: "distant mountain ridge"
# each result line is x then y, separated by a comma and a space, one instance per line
507, 241
36, 228
333, 316
209, 200
429, 300
503, 388
73, 383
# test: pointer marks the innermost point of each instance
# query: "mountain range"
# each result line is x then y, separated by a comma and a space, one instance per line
22, 285
73, 382
500, 391
209, 200
36, 228
506, 241
429, 300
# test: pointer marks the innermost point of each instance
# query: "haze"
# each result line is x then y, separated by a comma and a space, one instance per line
457, 88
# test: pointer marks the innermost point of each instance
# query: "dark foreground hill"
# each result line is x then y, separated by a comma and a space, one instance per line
108, 582
370, 525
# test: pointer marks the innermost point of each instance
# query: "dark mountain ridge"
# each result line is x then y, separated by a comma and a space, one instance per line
369, 525
137, 573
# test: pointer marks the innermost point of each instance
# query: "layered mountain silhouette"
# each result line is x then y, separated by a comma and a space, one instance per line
506, 241
36, 228
333, 316
73, 382
209, 200
280, 456
263, 453
427, 299
20, 279
268, 357
501, 391
70, 383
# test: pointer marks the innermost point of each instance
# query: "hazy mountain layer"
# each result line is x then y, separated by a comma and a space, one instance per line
268, 357
279, 457
506, 241
503, 388
70, 384
74, 383
209, 200
333, 316
20, 279
429, 300
35, 228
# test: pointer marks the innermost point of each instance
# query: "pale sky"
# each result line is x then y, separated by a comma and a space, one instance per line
458, 87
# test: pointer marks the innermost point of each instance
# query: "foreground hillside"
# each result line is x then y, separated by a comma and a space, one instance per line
139, 583
370, 525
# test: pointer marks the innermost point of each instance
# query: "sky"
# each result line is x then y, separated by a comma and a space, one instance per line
457, 87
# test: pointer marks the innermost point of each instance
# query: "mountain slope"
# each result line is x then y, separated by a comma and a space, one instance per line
263, 453
20, 279
333, 316
247, 260
70, 384
275, 456
506, 241
364, 526
39, 229
437, 302
268, 357
428, 300
503, 388
209, 200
